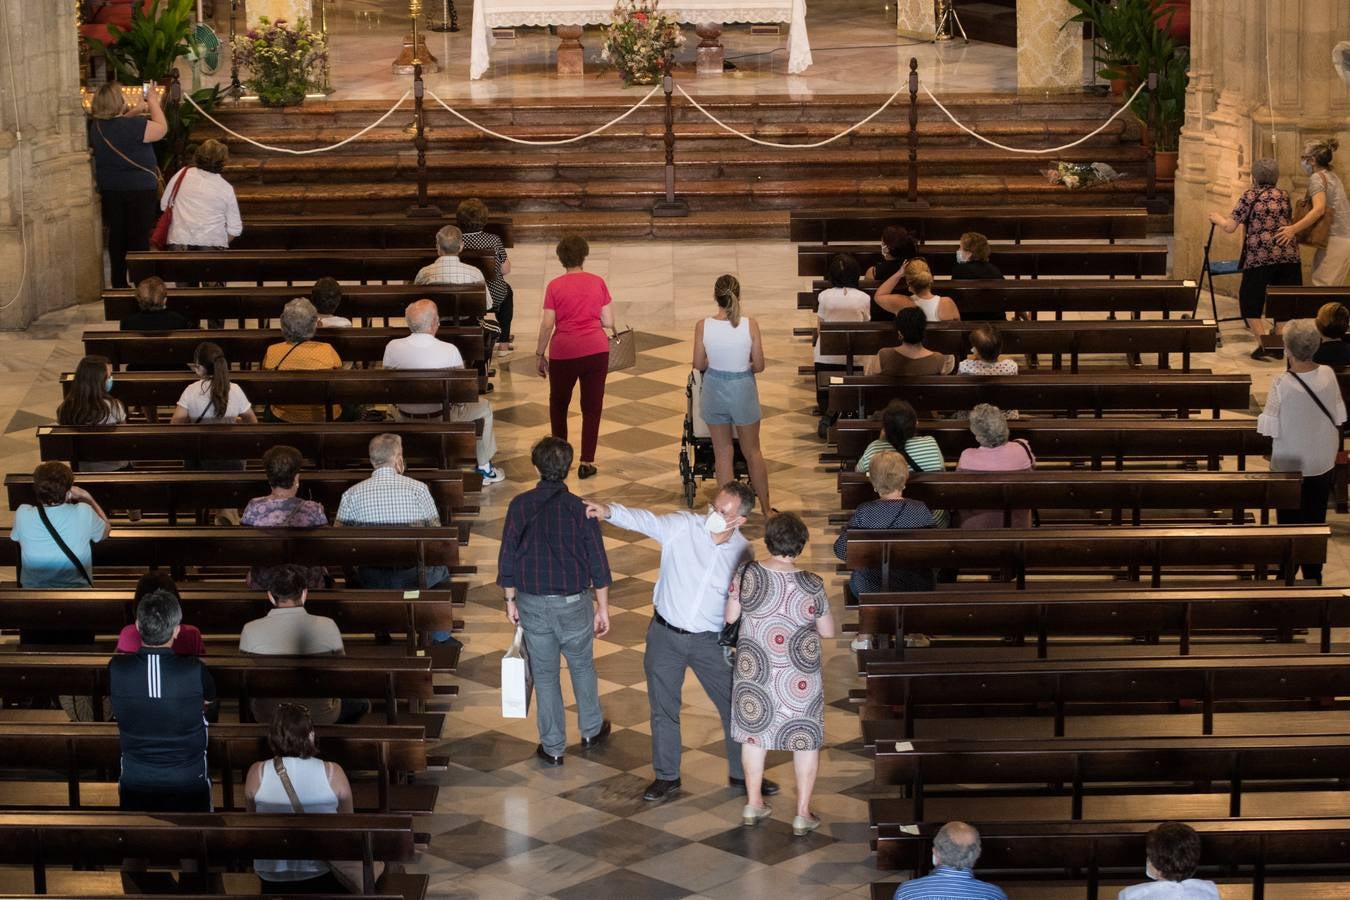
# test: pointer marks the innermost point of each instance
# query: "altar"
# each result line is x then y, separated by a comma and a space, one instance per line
489, 14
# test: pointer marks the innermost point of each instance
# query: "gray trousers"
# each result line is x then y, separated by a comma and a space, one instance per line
668, 655
554, 625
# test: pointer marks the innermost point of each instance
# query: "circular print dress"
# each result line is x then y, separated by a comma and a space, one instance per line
778, 701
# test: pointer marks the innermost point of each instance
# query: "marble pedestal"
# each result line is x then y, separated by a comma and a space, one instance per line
571, 55
711, 53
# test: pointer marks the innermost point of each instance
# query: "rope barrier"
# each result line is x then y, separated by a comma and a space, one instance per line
506, 137
980, 137
754, 140
373, 125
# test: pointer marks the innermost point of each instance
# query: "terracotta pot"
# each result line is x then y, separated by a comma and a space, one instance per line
1165, 164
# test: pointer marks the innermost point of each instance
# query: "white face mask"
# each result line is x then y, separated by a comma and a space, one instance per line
962, 256
1307, 167
714, 523
1151, 872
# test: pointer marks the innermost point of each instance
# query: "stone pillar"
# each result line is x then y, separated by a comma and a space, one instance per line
48, 207
289, 10
1230, 117
915, 19
1049, 53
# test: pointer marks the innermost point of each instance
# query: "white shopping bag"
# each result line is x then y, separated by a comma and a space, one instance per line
517, 685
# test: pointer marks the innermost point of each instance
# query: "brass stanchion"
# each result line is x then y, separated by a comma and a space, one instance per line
415, 52
670, 207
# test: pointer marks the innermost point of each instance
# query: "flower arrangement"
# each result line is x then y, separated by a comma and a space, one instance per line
1076, 176
285, 62
638, 39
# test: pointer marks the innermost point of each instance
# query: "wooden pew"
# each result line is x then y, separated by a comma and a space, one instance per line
70, 750
1286, 302
366, 303
221, 612
213, 840
388, 678
290, 266
175, 349
1085, 766
333, 232
996, 299
1313, 848
1134, 550
1014, 261
325, 445
1059, 339
1125, 495
177, 548
328, 387
186, 494
999, 223
861, 395
1106, 611
1114, 685
1103, 442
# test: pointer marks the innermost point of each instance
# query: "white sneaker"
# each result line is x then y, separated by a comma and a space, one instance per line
491, 474
861, 644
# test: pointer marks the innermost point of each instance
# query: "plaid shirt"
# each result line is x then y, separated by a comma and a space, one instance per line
388, 498
548, 544
449, 270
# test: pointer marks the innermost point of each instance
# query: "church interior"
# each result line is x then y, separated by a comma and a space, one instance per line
1149, 626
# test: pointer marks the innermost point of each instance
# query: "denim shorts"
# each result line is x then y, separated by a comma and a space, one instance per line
729, 398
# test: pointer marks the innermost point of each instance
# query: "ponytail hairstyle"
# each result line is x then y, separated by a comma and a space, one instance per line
727, 293
1320, 152
216, 370
88, 402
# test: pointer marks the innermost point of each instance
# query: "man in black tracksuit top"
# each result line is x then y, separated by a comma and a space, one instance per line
159, 699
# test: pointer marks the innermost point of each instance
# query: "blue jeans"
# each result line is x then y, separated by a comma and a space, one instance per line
377, 577
557, 624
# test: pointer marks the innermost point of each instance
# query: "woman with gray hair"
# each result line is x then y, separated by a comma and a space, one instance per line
1331, 264
1303, 415
995, 453
205, 210
1264, 210
298, 351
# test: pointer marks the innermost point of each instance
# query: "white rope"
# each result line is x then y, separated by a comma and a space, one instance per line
506, 137
754, 140
373, 125
1085, 137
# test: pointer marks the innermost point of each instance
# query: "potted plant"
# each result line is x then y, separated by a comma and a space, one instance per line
638, 40
181, 117
1170, 112
285, 63
149, 47
1115, 37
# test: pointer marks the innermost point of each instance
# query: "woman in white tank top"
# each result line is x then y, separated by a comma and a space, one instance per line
919, 279
729, 352
320, 787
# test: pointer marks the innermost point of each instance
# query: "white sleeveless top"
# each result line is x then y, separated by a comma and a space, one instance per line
929, 307
728, 348
309, 777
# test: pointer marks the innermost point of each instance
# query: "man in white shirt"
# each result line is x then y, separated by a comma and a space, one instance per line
289, 630
422, 350
1173, 856
699, 555
447, 269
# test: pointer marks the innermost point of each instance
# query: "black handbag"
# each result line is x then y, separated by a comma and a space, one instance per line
731, 631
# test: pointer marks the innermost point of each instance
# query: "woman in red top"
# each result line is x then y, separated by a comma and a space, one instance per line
573, 347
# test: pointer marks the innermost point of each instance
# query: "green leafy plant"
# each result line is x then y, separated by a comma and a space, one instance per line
151, 44
638, 40
1162, 108
286, 63
175, 148
1118, 28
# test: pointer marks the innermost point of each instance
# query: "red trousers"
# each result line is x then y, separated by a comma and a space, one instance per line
563, 375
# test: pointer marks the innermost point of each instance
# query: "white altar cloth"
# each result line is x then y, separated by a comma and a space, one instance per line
490, 14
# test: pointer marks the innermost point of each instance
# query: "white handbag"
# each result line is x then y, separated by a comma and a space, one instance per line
517, 684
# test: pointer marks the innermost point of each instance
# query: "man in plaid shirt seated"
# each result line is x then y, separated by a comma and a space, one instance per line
447, 269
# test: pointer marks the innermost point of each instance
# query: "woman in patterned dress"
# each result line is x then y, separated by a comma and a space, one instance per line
778, 701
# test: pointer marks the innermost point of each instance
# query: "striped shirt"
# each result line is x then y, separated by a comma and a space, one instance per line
158, 699
924, 450
946, 883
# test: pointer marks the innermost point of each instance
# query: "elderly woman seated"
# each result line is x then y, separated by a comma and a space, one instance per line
995, 453
900, 434
985, 346
888, 474
298, 352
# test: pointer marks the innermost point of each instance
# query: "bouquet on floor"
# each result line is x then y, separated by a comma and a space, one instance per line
284, 63
638, 40
1076, 176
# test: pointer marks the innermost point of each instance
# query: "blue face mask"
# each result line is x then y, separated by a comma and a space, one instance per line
108, 384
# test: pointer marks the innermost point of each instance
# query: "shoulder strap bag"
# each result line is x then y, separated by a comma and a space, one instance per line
1340, 452
1317, 234
65, 548
159, 238
349, 873
158, 176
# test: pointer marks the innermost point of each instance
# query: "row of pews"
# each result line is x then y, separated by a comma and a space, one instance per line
1117, 665
58, 796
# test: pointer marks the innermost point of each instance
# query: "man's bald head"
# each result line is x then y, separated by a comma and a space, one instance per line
957, 845
423, 316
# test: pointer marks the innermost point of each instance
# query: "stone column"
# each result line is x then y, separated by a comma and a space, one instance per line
290, 10
1049, 53
1230, 116
915, 19
48, 207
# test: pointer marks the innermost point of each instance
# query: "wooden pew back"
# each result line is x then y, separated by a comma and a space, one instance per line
291, 266
1001, 223
1014, 261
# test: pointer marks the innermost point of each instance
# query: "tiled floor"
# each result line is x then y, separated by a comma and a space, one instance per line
507, 827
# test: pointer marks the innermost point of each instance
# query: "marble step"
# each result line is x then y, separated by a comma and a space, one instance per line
534, 166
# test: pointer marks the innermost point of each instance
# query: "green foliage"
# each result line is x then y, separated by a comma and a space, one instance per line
174, 149
151, 44
285, 62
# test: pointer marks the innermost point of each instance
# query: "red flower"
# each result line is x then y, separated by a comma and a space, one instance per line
641, 17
